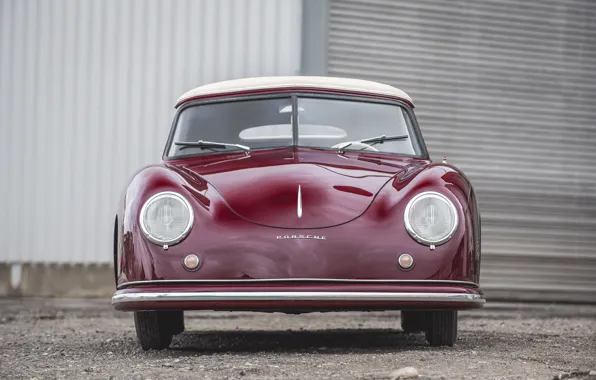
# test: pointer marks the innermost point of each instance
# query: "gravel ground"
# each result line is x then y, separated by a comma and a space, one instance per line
77, 339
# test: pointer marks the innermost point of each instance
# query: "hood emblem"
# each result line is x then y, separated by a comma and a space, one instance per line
299, 209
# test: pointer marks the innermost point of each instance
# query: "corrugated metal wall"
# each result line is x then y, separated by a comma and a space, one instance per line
507, 90
87, 90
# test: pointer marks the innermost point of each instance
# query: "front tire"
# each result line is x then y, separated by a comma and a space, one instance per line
155, 329
413, 321
441, 328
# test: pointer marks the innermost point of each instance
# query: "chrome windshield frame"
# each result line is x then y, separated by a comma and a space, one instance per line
416, 134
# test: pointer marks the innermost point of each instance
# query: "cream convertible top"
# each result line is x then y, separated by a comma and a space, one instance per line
298, 82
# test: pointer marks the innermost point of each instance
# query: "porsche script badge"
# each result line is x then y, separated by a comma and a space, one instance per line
316, 237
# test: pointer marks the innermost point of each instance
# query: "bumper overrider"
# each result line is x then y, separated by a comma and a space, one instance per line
297, 296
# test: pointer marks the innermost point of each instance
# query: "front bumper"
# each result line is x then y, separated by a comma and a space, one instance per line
298, 297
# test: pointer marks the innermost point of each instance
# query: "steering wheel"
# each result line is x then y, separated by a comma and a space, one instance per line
356, 144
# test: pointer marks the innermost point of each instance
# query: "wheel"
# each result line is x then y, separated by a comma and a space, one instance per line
441, 328
155, 329
413, 321
176, 321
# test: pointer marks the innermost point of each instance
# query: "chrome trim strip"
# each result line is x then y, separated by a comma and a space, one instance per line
299, 210
295, 296
299, 280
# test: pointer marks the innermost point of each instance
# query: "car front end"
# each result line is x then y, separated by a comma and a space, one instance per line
286, 207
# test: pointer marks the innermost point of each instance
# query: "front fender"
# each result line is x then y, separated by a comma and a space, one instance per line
127, 233
463, 248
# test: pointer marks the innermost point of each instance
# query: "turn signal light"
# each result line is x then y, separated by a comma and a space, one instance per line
191, 262
405, 261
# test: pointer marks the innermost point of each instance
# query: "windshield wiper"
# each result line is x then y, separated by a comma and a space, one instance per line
373, 140
211, 144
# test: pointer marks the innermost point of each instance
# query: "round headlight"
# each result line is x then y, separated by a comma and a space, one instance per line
430, 218
166, 218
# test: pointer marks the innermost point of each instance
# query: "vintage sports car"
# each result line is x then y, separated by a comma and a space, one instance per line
295, 195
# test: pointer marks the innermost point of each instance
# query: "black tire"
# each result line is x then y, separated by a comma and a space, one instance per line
155, 329
176, 321
441, 328
413, 321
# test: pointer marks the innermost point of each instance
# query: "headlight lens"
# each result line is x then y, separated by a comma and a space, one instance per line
166, 218
430, 218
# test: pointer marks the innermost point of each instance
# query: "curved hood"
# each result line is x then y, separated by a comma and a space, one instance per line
297, 188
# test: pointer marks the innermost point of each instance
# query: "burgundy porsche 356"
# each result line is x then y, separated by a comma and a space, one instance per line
297, 195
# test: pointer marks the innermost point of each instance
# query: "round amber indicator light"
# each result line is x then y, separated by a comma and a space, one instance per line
191, 262
405, 261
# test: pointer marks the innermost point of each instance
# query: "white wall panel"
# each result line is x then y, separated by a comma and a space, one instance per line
87, 90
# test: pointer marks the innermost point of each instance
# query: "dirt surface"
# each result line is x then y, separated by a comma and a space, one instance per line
74, 339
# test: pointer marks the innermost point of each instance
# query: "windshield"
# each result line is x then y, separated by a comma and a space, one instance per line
321, 123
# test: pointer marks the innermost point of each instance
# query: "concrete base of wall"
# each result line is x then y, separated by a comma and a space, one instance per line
5, 278
39, 280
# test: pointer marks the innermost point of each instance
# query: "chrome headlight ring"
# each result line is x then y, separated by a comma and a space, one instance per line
160, 197
416, 235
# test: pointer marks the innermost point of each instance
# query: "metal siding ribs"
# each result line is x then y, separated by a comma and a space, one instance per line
507, 91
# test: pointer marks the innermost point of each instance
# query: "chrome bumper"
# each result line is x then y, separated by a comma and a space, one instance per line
296, 296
